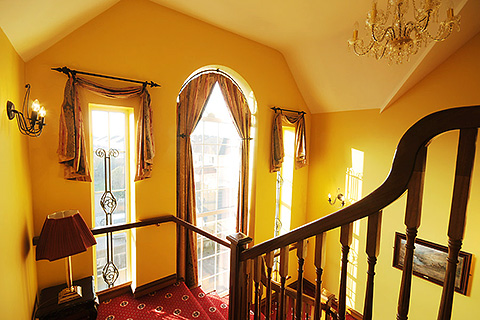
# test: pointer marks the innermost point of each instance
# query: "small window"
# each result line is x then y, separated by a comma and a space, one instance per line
284, 192
353, 193
111, 129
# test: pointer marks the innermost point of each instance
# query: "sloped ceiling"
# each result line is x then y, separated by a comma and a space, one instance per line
312, 35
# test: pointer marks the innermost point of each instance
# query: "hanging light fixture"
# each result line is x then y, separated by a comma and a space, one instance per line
32, 125
396, 39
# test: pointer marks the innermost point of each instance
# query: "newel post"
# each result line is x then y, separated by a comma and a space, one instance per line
237, 309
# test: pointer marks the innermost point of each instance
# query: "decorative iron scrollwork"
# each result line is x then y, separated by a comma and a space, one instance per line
108, 202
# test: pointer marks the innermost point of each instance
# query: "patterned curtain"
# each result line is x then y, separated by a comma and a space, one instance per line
242, 118
191, 103
71, 141
277, 140
71, 146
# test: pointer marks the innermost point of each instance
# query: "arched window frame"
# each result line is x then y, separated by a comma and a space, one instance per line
191, 103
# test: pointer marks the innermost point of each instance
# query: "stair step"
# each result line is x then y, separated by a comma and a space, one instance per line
173, 302
214, 311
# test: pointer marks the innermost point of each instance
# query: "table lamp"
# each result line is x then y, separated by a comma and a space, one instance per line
64, 233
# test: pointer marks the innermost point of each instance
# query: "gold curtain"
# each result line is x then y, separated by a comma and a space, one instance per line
191, 103
277, 152
71, 142
242, 118
71, 149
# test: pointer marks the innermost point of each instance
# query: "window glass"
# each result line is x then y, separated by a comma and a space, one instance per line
216, 159
109, 130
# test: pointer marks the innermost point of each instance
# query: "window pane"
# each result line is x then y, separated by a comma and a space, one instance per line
100, 129
98, 173
119, 215
216, 154
117, 131
109, 129
118, 171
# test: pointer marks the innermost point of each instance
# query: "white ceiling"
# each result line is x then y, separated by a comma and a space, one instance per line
312, 35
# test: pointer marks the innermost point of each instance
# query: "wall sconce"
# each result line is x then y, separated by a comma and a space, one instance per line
340, 197
32, 125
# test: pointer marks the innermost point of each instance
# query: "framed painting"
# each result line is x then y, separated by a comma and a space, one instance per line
430, 262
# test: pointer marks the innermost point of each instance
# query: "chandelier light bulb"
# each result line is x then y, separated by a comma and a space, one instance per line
36, 105
42, 112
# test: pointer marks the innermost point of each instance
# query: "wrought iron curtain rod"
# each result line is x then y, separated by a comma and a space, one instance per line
288, 110
67, 71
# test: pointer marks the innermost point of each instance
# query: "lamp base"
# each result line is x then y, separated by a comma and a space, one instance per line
69, 294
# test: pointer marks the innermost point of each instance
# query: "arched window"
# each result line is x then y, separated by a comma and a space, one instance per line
212, 172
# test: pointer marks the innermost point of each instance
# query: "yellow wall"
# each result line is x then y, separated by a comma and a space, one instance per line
454, 83
18, 285
140, 39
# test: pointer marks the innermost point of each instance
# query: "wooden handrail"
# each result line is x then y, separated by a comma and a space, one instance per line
132, 225
150, 222
392, 188
200, 231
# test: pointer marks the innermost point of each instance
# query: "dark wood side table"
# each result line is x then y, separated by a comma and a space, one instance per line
82, 308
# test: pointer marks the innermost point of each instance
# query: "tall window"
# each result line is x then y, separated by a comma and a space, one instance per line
283, 210
353, 193
216, 159
111, 129
284, 192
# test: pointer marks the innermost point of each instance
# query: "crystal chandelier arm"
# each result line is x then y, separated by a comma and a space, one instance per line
381, 38
445, 29
360, 49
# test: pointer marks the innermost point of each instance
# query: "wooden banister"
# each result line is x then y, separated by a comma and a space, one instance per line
407, 174
151, 222
392, 188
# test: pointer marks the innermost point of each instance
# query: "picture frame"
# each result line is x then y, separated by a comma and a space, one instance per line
430, 262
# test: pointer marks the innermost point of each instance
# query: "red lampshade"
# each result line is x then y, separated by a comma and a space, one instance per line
64, 234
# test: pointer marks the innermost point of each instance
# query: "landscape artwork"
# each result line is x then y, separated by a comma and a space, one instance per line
430, 262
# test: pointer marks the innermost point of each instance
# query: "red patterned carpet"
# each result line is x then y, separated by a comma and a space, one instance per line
174, 302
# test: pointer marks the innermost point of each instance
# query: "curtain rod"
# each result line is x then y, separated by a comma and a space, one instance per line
288, 110
67, 71
212, 70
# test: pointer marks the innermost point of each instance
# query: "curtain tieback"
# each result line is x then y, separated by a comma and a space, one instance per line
247, 139
182, 135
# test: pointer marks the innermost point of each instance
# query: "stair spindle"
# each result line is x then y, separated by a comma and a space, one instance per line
257, 278
412, 222
346, 241
373, 248
301, 253
456, 227
283, 271
319, 261
269, 258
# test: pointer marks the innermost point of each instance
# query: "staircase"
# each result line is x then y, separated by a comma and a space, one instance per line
251, 267
173, 302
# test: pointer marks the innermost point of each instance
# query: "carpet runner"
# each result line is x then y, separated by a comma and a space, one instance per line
173, 302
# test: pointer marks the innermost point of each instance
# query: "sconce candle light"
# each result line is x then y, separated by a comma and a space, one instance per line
32, 125
339, 197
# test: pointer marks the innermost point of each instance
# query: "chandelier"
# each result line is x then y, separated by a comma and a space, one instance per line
398, 39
